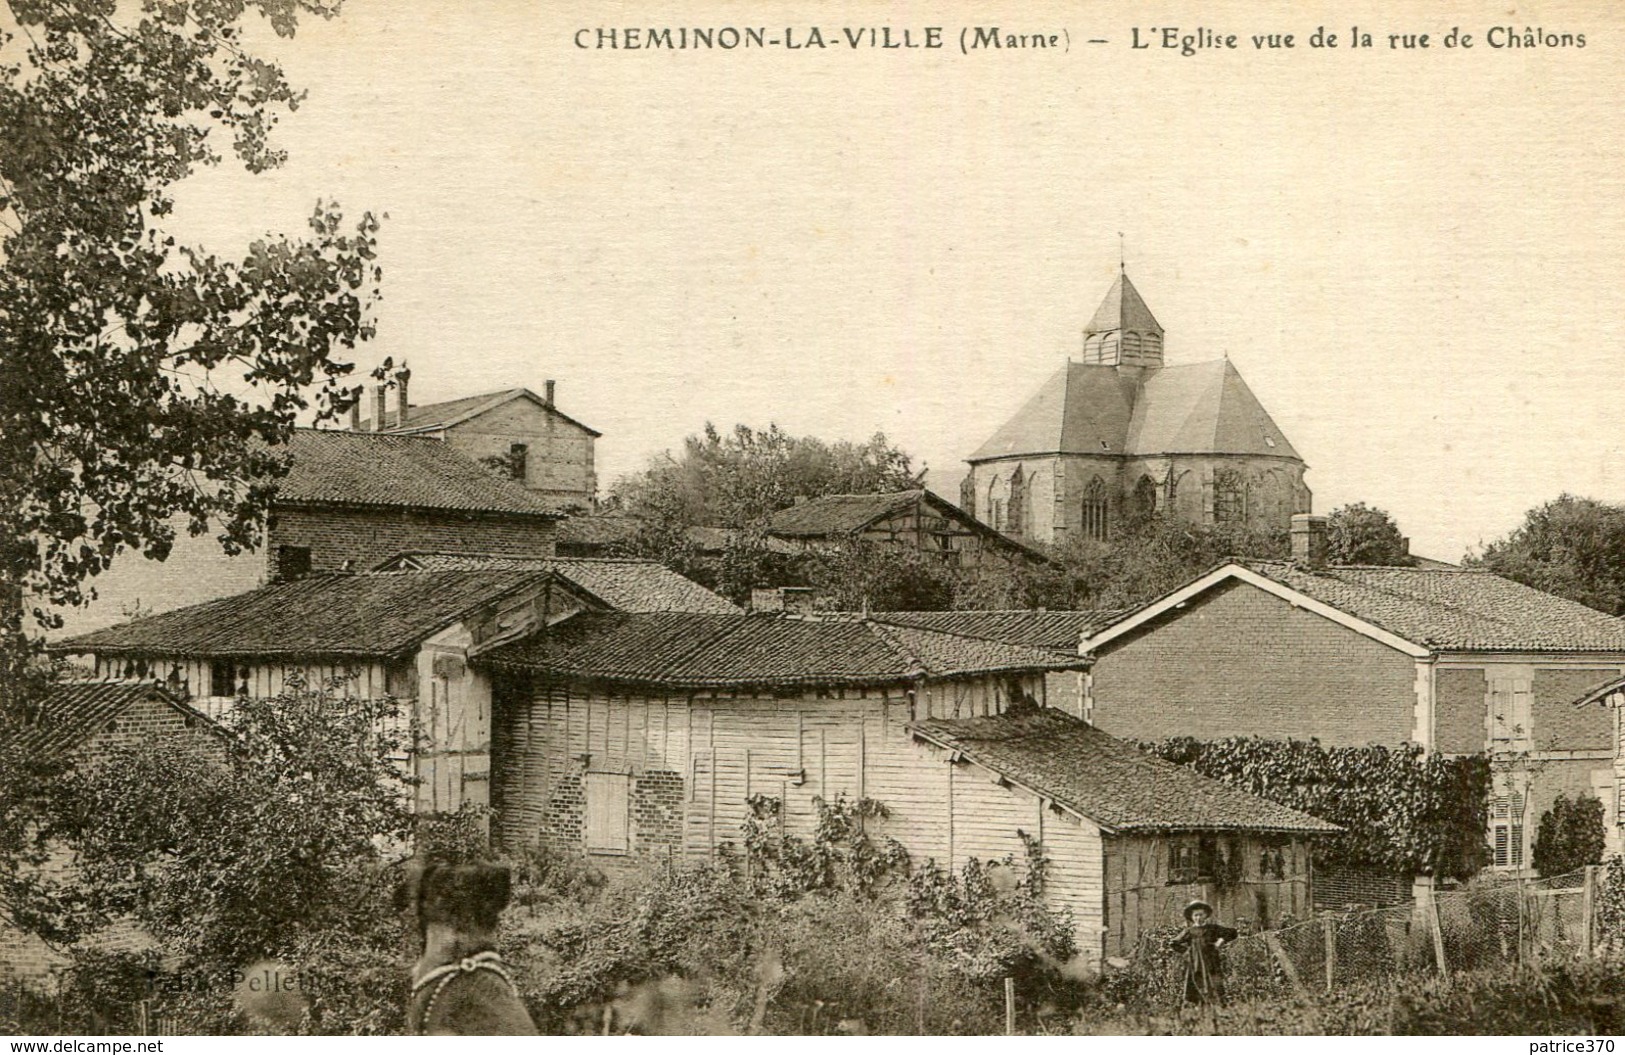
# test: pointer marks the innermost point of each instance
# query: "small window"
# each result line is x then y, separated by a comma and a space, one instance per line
220, 680
1184, 861
292, 562
517, 453
609, 822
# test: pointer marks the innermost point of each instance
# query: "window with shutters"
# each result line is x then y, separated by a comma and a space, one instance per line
609, 815
1506, 830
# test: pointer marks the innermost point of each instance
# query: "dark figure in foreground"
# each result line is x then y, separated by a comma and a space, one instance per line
460, 986
1204, 982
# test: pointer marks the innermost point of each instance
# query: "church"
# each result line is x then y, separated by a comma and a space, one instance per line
1116, 437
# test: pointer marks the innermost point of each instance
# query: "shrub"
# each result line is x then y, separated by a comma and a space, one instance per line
1571, 836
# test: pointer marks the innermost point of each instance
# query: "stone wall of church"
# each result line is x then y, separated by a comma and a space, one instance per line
1055, 492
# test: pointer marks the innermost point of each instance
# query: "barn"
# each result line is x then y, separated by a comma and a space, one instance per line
637, 735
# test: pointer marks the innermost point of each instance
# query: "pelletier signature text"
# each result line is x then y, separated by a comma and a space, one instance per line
799, 38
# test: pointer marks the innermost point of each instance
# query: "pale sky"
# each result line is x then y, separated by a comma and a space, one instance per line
1413, 257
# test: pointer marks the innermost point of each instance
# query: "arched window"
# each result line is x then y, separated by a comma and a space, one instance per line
995, 507
1229, 497
1015, 522
1096, 511
1145, 498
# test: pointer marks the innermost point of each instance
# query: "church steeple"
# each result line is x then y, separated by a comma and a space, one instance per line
1123, 331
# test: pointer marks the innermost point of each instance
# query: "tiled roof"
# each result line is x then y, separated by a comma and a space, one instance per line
623, 583
432, 416
1111, 782
1194, 408
598, 530
831, 515
328, 466
370, 615
1609, 693
1456, 609
1058, 630
686, 651
716, 539
76, 710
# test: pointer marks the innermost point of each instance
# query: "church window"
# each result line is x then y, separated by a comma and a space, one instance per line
1096, 511
1229, 497
1018, 501
1145, 498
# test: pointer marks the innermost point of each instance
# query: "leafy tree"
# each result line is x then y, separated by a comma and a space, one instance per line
1571, 836
880, 576
737, 479
1571, 546
162, 379
230, 855
1362, 534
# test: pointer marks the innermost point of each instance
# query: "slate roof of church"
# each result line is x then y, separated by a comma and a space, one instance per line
687, 651
1123, 309
332, 467
1460, 609
1058, 630
627, 584
371, 615
1195, 408
74, 711
1107, 780
450, 412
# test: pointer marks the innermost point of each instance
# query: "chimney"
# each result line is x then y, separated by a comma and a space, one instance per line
402, 376
358, 395
547, 392
380, 400
1309, 540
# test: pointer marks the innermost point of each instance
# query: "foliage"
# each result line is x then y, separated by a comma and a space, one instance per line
1571, 836
1573, 547
840, 855
1401, 811
880, 576
227, 859
1362, 534
1611, 908
737, 479
162, 379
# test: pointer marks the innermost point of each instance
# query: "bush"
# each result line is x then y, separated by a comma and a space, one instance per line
1571, 836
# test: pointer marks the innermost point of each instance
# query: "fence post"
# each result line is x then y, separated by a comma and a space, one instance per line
1428, 903
1009, 1006
1588, 908
1329, 925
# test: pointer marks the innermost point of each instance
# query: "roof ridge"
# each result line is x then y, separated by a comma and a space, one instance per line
884, 632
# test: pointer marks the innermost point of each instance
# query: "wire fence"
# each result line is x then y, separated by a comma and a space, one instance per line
1491, 922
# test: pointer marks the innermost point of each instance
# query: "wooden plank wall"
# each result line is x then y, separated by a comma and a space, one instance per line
359, 680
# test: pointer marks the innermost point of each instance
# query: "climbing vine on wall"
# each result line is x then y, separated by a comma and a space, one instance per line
1401, 811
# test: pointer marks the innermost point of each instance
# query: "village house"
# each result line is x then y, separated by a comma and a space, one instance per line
1455, 660
630, 736
92, 721
348, 501
918, 519
405, 634
1609, 696
1116, 437
540, 446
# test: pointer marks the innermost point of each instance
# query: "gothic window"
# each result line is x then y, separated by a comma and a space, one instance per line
995, 507
1018, 500
1096, 511
1145, 498
1229, 497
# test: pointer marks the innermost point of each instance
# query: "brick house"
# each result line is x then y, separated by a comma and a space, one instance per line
630, 736
348, 501
1456, 660
547, 450
91, 720
919, 519
1609, 696
1118, 436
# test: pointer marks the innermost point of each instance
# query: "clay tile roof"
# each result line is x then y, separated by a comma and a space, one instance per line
627, 584
369, 469
431, 416
375, 615
1456, 609
1111, 782
1057, 630
689, 651
833, 515
598, 530
74, 711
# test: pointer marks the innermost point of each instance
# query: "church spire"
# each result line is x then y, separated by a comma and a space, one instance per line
1123, 331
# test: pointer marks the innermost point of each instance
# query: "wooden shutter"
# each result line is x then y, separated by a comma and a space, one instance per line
608, 812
